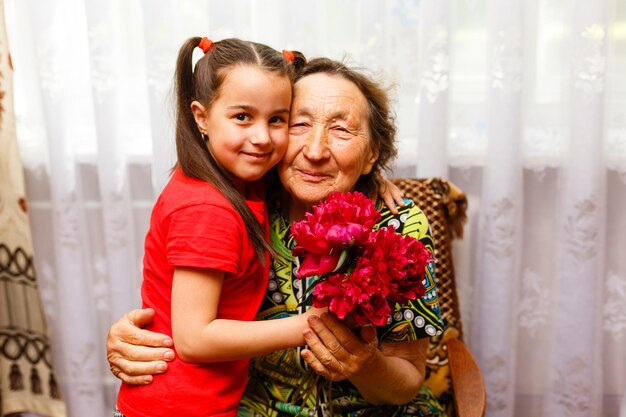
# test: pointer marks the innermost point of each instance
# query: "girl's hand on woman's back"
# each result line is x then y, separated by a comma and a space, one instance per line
391, 195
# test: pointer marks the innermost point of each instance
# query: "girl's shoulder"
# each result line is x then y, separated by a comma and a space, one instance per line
182, 192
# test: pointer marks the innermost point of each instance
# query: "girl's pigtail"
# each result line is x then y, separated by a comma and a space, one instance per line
299, 61
296, 59
186, 124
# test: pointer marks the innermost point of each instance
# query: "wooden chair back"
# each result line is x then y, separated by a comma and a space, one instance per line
445, 207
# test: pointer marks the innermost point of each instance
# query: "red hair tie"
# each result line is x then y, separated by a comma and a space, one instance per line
205, 44
289, 56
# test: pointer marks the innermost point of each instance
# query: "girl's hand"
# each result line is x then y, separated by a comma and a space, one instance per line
134, 354
391, 195
314, 311
334, 351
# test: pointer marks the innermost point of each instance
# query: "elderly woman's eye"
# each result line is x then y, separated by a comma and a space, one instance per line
298, 128
342, 130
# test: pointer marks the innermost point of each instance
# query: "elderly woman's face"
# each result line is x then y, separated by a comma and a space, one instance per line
329, 141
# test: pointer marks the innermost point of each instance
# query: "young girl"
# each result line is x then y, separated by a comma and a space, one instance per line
206, 257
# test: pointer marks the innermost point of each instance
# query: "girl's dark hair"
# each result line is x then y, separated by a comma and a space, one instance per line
381, 119
203, 84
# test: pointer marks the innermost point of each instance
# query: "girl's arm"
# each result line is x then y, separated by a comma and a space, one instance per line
201, 337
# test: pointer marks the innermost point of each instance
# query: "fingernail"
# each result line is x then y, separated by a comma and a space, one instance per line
168, 356
161, 367
147, 379
307, 334
168, 342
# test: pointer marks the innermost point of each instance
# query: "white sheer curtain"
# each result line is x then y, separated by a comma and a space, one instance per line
522, 103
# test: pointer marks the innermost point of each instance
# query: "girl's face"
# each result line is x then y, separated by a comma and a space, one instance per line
247, 126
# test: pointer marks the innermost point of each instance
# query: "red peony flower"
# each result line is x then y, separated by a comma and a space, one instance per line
362, 273
401, 259
355, 294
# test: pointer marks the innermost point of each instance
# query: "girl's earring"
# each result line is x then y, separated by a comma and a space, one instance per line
203, 137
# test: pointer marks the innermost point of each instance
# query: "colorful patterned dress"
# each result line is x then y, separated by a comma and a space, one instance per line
280, 382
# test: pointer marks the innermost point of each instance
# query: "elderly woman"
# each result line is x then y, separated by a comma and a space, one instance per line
341, 139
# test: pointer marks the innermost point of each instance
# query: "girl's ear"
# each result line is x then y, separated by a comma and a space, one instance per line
200, 115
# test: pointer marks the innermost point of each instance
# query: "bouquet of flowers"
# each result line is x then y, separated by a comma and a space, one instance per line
361, 273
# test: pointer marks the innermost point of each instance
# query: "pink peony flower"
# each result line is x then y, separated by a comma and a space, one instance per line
341, 221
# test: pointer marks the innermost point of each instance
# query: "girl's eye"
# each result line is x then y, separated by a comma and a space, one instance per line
241, 117
277, 119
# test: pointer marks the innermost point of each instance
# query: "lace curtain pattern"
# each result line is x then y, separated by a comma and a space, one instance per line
522, 104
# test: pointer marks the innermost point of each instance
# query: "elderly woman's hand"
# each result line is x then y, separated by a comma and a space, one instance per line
390, 375
135, 354
335, 352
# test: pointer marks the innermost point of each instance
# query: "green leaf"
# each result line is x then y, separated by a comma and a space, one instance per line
342, 260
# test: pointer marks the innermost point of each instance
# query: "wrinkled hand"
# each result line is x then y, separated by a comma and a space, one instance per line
334, 351
135, 354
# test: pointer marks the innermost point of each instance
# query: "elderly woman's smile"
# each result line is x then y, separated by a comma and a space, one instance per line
312, 175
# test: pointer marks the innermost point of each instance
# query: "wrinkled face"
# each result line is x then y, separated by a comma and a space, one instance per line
247, 125
329, 141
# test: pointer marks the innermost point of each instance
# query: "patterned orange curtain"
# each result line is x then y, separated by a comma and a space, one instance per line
27, 381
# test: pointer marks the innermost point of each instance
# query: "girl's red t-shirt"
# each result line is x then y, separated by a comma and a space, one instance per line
193, 225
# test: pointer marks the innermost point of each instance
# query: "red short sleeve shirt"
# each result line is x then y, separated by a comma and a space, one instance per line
193, 225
